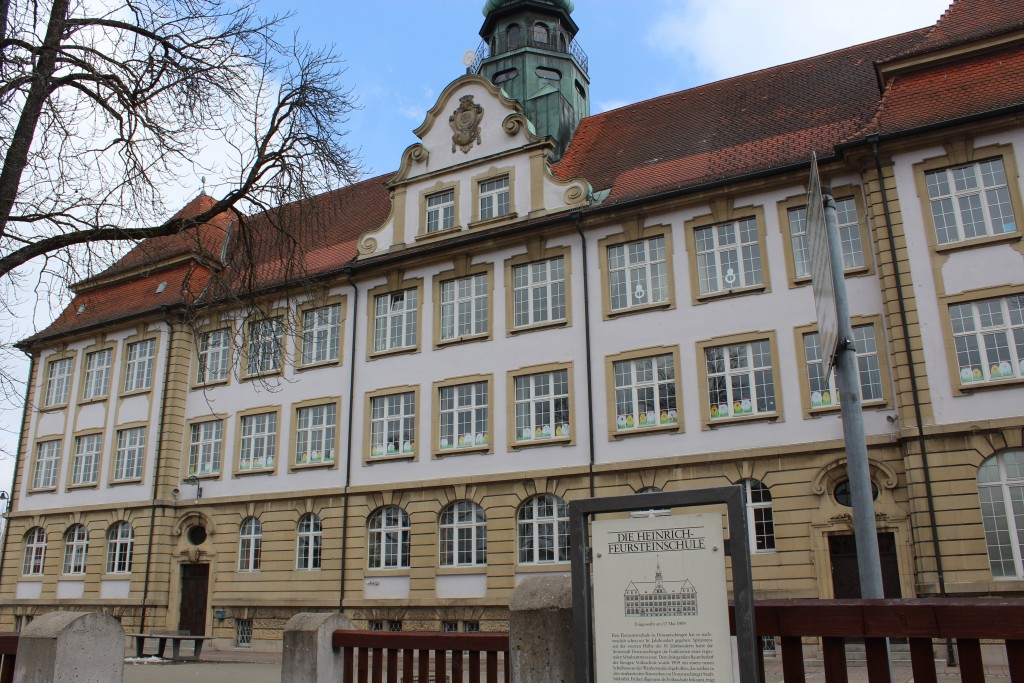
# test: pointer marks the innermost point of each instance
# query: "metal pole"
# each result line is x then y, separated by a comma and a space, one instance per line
868, 563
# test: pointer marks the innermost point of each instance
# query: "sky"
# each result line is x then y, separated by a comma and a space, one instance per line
401, 54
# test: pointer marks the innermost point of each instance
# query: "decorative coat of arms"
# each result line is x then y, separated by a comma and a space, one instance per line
465, 121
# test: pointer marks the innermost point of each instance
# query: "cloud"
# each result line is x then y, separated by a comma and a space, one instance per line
730, 37
416, 110
611, 104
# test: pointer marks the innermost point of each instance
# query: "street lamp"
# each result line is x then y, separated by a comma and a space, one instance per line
193, 480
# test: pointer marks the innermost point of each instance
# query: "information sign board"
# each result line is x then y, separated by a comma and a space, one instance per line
821, 269
664, 610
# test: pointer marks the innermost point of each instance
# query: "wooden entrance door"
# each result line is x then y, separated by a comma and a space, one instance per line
842, 550
195, 582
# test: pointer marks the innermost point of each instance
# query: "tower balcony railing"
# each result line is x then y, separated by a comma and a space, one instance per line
509, 41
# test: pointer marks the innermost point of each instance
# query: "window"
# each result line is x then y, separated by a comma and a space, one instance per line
728, 256
970, 201
314, 434
441, 211
465, 418
35, 552
47, 465
131, 444
548, 74
823, 390
645, 392
258, 446
58, 382
543, 530
650, 512
214, 356
467, 626
542, 406
97, 374
265, 338
205, 446
989, 339
464, 307
740, 379
395, 320
760, 525
843, 493
311, 539
250, 545
463, 535
389, 536
86, 464
76, 549
539, 292
321, 334
637, 273
138, 374
1001, 490
540, 34
243, 632
494, 198
393, 424
849, 236
120, 545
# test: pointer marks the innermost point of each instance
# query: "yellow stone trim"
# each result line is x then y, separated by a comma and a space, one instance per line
293, 427
435, 424
31, 474
142, 334
633, 230
212, 324
249, 412
972, 296
112, 450
396, 282
369, 459
186, 442
536, 250
609, 373
463, 268
493, 173
99, 345
319, 302
56, 357
722, 212
510, 405
73, 449
434, 190
702, 375
268, 316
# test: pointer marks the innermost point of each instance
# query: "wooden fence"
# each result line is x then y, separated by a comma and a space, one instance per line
379, 656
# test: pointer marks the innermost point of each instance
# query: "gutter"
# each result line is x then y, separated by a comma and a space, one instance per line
590, 374
348, 448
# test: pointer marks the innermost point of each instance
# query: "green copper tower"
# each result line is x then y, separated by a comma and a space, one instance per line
529, 51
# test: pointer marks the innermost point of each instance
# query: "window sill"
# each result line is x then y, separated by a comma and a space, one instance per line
640, 431
43, 489
209, 384
739, 291
555, 441
205, 476
319, 465
990, 384
319, 364
767, 417
469, 338
374, 355
835, 409
134, 392
643, 308
538, 326
125, 482
805, 280
254, 471
462, 570
484, 222
94, 399
256, 376
467, 450
55, 408
83, 486
987, 240
396, 457
437, 234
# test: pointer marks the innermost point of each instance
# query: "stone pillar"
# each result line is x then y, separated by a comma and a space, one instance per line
540, 631
71, 647
308, 656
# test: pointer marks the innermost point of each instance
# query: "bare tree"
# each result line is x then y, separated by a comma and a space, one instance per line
104, 104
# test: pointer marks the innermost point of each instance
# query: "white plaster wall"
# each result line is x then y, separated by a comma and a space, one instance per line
964, 271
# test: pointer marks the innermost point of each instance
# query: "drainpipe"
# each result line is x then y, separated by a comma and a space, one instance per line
348, 448
17, 456
156, 467
586, 328
914, 391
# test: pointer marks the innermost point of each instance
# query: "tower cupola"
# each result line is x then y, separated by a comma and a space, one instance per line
529, 51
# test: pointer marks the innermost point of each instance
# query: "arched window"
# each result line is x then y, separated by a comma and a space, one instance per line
760, 524
250, 545
651, 512
540, 34
1001, 489
463, 535
76, 548
543, 523
311, 538
389, 535
35, 552
120, 544
514, 40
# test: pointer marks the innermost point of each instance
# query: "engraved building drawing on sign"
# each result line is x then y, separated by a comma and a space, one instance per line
660, 598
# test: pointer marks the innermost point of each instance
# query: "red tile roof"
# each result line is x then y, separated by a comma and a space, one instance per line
967, 20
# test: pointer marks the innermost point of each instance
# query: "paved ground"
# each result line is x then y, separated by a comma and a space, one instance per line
221, 672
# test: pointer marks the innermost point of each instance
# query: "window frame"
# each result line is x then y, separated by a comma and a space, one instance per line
395, 285
1004, 484
449, 536
881, 345
66, 361
514, 443
216, 443
310, 405
633, 232
778, 415
53, 477
840, 193
94, 436
463, 270
309, 543
381, 394
614, 432
87, 353
273, 444
963, 153
723, 213
130, 382
116, 448
378, 535
76, 551
425, 195
273, 318
120, 548
227, 358
752, 516
491, 174
34, 561
250, 545
960, 388
561, 553
453, 383
300, 337
537, 253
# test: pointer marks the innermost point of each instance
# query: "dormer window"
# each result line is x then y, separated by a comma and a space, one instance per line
548, 74
503, 76
494, 198
514, 40
441, 211
540, 34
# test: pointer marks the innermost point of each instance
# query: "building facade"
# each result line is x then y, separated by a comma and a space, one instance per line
536, 310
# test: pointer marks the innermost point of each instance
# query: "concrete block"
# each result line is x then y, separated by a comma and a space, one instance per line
540, 631
308, 656
71, 647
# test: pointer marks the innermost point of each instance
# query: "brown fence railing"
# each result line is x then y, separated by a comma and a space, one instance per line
8, 649
920, 622
379, 656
